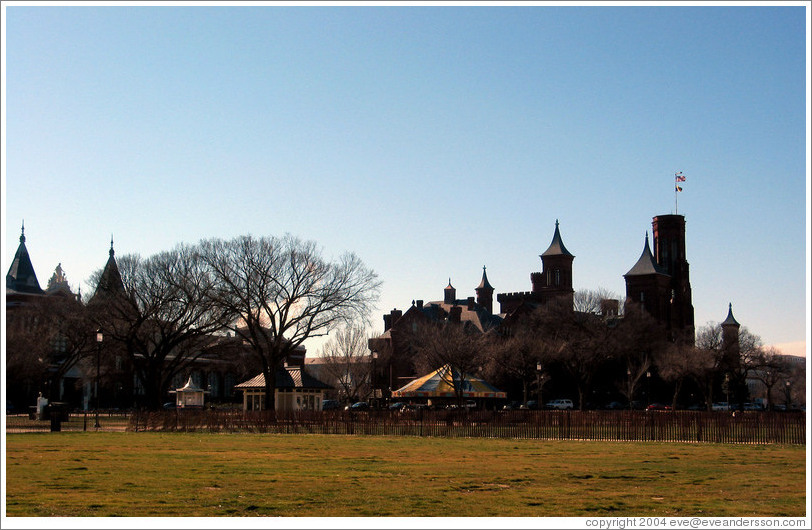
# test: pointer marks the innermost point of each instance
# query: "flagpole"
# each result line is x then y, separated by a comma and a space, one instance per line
678, 177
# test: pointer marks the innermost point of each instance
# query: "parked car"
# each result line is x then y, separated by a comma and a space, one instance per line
530, 405
658, 406
330, 404
360, 405
397, 406
513, 405
720, 405
616, 405
559, 404
753, 406
170, 405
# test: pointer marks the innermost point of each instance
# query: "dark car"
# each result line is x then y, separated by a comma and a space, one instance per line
616, 405
330, 404
397, 406
361, 405
530, 405
658, 406
170, 405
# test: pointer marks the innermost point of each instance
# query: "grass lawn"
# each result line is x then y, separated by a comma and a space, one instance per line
209, 475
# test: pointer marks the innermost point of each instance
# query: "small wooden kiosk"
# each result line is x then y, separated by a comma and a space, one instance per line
190, 396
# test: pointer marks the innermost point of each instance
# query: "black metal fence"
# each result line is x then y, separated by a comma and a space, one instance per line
679, 426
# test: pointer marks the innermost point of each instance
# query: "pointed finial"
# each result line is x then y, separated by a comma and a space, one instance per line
112, 252
556, 223
730, 306
483, 269
22, 233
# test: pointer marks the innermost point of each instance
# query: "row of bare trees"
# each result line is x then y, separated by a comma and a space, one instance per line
160, 313
582, 349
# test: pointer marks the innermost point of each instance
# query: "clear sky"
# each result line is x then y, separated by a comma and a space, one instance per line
429, 140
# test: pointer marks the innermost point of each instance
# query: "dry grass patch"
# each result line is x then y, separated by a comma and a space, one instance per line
208, 475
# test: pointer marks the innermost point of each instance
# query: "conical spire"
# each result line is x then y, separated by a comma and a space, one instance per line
557, 247
21, 276
484, 284
110, 281
730, 321
646, 263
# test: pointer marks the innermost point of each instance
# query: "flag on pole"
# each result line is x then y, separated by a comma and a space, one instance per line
680, 178
677, 188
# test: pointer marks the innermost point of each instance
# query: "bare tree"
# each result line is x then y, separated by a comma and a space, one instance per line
347, 363
589, 301
280, 292
162, 318
584, 341
45, 339
451, 344
525, 355
639, 341
772, 369
708, 359
676, 365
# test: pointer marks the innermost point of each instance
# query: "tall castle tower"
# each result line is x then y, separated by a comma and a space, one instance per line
660, 282
669, 249
554, 282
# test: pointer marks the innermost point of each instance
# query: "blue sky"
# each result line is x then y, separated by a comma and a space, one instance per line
429, 140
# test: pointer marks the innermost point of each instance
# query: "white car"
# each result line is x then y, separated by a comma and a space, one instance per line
559, 404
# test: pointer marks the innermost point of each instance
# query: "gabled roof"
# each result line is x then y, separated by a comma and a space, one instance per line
557, 247
21, 276
730, 321
645, 264
287, 377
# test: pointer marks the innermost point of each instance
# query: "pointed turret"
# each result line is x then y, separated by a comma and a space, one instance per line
647, 284
449, 294
730, 321
556, 247
110, 281
556, 269
645, 264
484, 292
730, 342
21, 276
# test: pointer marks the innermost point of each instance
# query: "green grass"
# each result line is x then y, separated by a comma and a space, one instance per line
209, 475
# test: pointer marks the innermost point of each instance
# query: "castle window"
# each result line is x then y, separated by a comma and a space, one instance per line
557, 277
641, 296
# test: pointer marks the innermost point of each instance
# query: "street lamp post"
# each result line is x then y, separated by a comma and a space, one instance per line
372, 378
99, 339
648, 388
629, 388
788, 387
727, 390
539, 383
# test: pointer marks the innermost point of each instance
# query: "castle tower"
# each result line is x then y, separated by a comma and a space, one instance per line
450, 294
555, 278
21, 276
484, 292
730, 341
669, 251
648, 284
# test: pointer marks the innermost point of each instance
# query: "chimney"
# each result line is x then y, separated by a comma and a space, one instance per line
455, 314
470, 303
420, 304
390, 319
